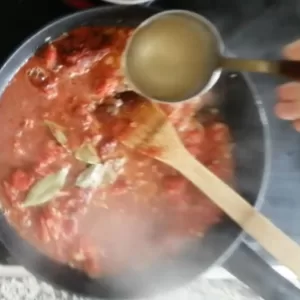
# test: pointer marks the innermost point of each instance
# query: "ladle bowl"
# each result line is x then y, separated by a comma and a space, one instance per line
177, 54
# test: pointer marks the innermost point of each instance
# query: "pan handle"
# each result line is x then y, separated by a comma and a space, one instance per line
252, 270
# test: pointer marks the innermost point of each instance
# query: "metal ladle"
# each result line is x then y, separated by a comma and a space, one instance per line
176, 55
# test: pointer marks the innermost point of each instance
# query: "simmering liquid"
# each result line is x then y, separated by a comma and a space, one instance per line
172, 58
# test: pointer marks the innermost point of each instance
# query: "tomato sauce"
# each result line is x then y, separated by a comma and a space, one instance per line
70, 188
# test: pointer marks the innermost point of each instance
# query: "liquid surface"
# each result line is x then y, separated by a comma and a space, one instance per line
114, 209
171, 58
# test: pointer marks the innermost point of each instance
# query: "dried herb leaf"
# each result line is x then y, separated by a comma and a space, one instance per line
57, 131
46, 189
100, 175
112, 170
88, 154
91, 177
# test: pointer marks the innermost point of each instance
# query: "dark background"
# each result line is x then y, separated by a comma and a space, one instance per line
256, 28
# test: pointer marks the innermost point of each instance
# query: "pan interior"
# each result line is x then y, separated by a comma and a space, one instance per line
239, 110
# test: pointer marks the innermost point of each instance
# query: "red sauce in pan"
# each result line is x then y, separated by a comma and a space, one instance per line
113, 208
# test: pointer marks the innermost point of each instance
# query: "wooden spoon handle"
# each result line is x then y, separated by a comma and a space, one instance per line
288, 68
277, 243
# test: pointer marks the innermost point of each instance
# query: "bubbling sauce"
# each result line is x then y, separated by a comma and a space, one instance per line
71, 189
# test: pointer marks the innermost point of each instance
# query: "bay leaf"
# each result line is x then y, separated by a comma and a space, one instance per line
91, 177
57, 131
47, 188
100, 175
87, 153
112, 170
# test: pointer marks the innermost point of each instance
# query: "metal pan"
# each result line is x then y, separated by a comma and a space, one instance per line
246, 118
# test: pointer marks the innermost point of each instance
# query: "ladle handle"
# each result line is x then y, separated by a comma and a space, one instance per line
288, 68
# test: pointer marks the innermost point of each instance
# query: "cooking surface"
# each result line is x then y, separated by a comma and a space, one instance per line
256, 29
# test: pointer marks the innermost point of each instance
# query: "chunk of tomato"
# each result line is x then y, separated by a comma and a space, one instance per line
223, 171
72, 207
152, 151
218, 132
10, 192
195, 150
54, 228
69, 228
193, 137
174, 184
92, 266
43, 80
21, 180
119, 187
42, 230
91, 256
120, 126
107, 86
50, 55
51, 154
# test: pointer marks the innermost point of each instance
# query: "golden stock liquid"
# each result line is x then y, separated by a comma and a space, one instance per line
172, 58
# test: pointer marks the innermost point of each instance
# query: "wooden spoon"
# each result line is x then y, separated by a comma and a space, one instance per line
155, 136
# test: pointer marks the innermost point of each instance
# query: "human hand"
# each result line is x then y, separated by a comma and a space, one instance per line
288, 106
